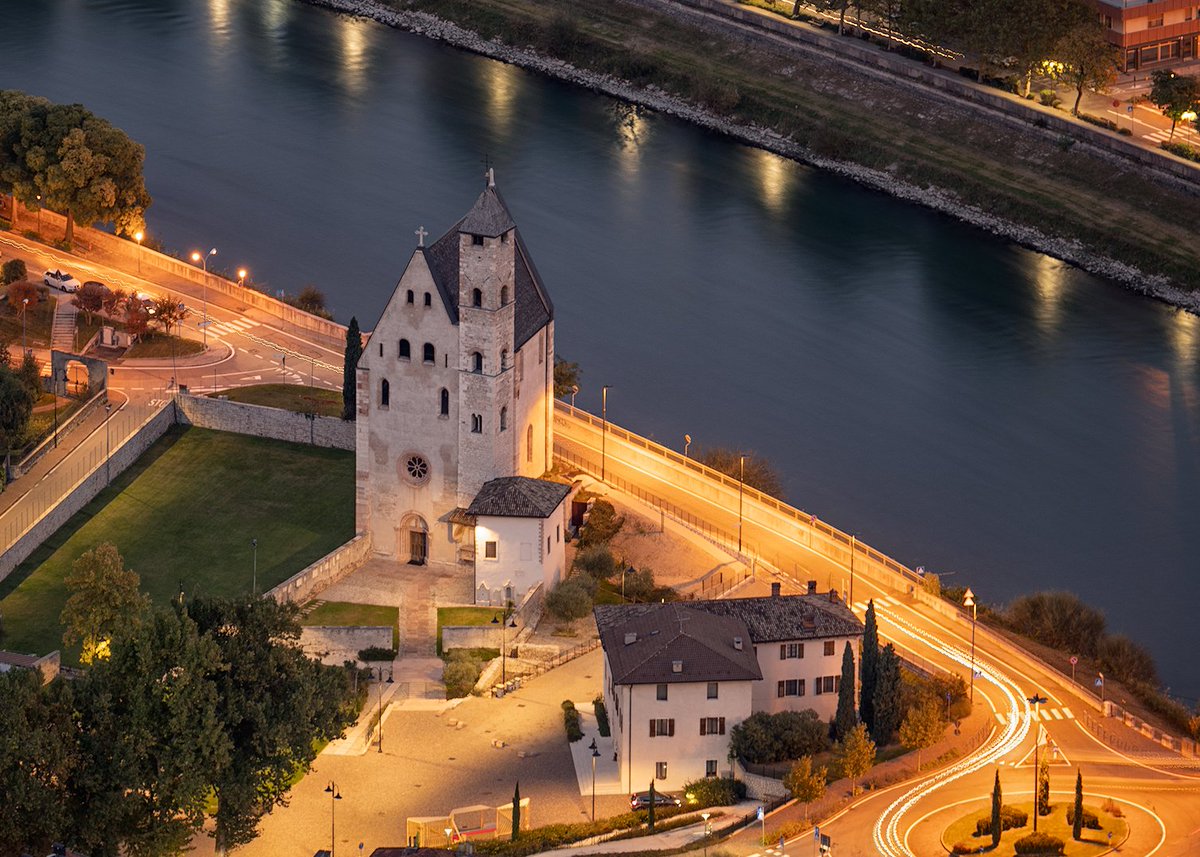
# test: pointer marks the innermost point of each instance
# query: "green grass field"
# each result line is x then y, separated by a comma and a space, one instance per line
344, 613
184, 516
155, 344
290, 397
1093, 842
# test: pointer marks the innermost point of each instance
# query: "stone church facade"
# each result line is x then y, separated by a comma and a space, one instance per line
454, 390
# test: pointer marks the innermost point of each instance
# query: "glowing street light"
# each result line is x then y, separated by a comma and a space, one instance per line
969, 601
242, 276
138, 236
24, 308
203, 261
687, 442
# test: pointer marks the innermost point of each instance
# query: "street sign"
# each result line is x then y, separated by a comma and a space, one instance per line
761, 813
1099, 682
816, 834
825, 841
921, 570
1074, 660
1129, 109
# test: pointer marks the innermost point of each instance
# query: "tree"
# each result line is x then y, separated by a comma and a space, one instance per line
29, 373
311, 299
806, 784
114, 301
597, 560
516, 812
273, 704
16, 406
12, 271
1043, 790
104, 600
137, 317
569, 600
650, 809
759, 473
856, 755
887, 696
1077, 824
20, 291
90, 298
997, 805
846, 718
349, 370
763, 738
170, 312
566, 377
1088, 60
869, 668
1174, 94
839, 6
601, 525
922, 727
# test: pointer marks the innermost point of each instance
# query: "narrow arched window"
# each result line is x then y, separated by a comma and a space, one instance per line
428, 299
476, 297
503, 359
429, 352
409, 296
476, 362
405, 350
445, 402
476, 423
529, 444
385, 392
504, 419
503, 295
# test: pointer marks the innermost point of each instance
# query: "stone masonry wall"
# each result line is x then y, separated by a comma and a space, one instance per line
325, 572
342, 643
262, 421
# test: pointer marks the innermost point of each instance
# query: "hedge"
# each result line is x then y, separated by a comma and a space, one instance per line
556, 835
571, 721
601, 716
1039, 843
714, 791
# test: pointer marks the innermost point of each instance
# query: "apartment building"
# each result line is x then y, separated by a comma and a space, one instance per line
1151, 35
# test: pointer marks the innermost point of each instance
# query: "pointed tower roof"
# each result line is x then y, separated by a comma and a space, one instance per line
489, 216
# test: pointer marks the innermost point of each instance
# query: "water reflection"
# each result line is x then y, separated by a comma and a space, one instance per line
355, 40
775, 176
219, 15
501, 83
632, 132
1050, 282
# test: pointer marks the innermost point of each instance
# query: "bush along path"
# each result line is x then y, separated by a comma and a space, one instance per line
1024, 184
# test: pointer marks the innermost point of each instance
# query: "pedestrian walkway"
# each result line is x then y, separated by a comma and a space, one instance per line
62, 334
237, 325
681, 837
1063, 713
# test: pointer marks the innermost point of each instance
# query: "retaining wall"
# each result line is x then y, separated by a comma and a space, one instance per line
69, 425
343, 642
261, 421
325, 572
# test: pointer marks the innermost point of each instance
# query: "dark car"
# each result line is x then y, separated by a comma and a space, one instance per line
641, 800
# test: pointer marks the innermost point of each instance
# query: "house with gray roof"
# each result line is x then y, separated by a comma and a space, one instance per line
679, 676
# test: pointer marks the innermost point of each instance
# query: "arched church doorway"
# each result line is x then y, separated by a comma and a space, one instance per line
413, 541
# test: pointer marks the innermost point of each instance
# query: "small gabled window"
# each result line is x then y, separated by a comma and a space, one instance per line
405, 350
428, 299
409, 296
428, 353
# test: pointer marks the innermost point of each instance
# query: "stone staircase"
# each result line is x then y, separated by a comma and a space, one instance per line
62, 334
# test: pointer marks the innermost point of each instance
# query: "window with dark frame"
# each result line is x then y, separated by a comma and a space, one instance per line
660, 693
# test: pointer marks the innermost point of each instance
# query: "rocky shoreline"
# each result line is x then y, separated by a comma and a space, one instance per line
938, 199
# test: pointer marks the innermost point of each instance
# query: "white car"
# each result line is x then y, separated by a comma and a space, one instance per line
61, 280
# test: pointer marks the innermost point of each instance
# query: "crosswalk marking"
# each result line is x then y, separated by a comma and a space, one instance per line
1057, 714
1068, 713
1063, 713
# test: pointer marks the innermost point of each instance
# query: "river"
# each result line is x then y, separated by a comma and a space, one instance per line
958, 402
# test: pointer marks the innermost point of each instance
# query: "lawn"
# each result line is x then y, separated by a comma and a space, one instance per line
463, 616
37, 325
345, 613
184, 516
289, 397
1093, 841
161, 345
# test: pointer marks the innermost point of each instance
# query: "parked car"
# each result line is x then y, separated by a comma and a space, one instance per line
641, 800
61, 280
148, 302
95, 284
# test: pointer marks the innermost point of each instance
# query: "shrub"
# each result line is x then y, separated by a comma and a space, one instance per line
601, 716
20, 291
1098, 121
376, 653
639, 585
1090, 820
598, 561
571, 721
1123, 659
1010, 817
1049, 98
1039, 843
1058, 619
554, 835
714, 791
459, 675
966, 848
1110, 806
762, 737
12, 271
602, 524
569, 600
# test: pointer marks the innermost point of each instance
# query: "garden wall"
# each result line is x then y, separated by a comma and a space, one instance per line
343, 642
261, 421
325, 572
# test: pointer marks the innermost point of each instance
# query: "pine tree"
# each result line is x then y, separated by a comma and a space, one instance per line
996, 804
887, 696
869, 667
516, 813
846, 717
353, 352
1077, 827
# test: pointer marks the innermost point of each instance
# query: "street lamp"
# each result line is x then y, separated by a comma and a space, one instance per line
54, 395
604, 429
242, 277
138, 236
969, 601
853, 551
510, 621
203, 260
389, 681
107, 444
595, 756
741, 482
39, 219
334, 795
574, 393
687, 441
24, 310
1035, 701
254, 568
704, 815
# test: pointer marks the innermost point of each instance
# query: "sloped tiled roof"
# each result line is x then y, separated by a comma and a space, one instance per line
518, 497
662, 634
488, 216
788, 617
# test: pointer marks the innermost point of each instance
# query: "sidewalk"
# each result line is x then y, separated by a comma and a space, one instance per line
680, 837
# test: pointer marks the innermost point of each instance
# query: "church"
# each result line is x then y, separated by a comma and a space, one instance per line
455, 409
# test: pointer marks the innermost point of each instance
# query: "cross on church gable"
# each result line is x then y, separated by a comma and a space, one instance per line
421, 233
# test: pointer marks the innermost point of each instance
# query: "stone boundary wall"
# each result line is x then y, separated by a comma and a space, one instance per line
323, 573
765, 789
1184, 746
345, 641
473, 637
1167, 166
122, 457
262, 421
130, 253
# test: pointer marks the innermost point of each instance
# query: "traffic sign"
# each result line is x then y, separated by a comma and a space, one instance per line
761, 813
1074, 660
816, 834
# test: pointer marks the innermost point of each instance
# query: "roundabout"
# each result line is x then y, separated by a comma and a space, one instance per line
969, 833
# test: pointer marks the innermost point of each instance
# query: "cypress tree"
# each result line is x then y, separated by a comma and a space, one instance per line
650, 811
1043, 790
869, 669
846, 718
996, 828
1077, 826
887, 696
516, 813
353, 352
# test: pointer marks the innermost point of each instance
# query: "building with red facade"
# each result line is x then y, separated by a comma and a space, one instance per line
1151, 35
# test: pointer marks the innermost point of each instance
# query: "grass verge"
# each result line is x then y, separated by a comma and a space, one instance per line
1055, 824
345, 613
289, 397
183, 517
36, 328
163, 345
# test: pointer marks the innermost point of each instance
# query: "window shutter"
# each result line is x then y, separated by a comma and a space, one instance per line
671, 727
779, 691
703, 726
721, 731
652, 735
783, 651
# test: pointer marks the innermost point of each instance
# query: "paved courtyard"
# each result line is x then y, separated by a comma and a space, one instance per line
431, 765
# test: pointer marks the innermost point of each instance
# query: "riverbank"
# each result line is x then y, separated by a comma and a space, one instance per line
1023, 184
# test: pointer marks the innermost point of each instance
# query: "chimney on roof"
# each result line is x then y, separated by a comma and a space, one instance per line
676, 666
774, 590
630, 637
737, 643
812, 587
833, 596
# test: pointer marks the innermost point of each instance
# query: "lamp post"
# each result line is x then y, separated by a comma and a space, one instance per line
242, 277
138, 236
389, 681
509, 621
203, 260
24, 311
687, 441
447, 831
1035, 701
603, 430
54, 395
704, 815
39, 219
254, 568
334, 795
741, 482
853, 551
969, 601
574, 393
107, 444
1100, 683
595, 756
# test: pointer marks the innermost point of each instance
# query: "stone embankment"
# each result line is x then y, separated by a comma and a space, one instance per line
939, 199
